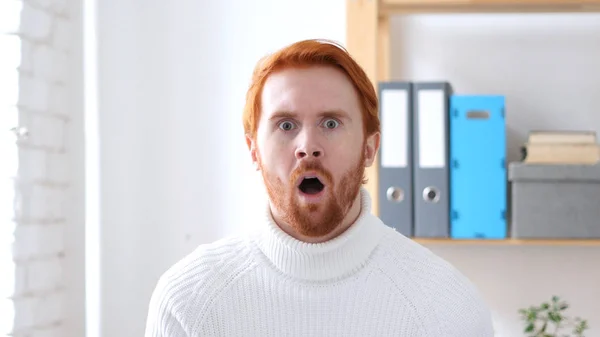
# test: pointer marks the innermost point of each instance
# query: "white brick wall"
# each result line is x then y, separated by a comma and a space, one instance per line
42, 182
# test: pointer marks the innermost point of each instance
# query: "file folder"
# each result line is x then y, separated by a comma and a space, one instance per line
478, 172
395, 157
431, 155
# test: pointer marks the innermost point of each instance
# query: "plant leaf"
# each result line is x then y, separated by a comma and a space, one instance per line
529, 327
554, 317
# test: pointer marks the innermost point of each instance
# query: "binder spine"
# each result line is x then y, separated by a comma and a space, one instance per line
395, 157
431, 159
478, 172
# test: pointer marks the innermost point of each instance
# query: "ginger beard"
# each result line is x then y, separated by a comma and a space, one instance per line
320, 218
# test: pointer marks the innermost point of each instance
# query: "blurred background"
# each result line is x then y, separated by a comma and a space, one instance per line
121, 121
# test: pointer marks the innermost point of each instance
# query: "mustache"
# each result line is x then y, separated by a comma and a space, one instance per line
311, 166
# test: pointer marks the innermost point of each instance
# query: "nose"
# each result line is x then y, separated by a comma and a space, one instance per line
309, 147
302, 153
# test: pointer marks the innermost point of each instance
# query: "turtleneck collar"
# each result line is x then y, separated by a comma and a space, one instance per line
332, 259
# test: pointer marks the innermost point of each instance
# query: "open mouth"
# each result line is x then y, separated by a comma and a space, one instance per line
311, 186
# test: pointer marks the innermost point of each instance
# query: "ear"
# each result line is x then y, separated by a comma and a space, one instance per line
371, 148
251, 143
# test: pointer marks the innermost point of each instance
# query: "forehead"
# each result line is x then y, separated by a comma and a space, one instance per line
308, 91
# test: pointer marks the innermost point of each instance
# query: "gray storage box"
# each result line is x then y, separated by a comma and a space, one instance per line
554, 201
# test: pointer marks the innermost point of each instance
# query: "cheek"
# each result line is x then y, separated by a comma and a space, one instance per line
344, 158
277, 156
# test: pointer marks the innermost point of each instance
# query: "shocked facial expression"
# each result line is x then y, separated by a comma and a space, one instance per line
310, 147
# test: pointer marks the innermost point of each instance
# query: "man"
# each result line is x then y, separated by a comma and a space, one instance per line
322, 264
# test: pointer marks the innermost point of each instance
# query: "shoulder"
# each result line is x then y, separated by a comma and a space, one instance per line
209, 259
446, 296
194, 281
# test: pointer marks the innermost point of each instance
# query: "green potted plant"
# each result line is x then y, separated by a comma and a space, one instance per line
550, 320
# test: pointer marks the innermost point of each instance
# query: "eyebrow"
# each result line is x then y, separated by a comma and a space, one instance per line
327, 113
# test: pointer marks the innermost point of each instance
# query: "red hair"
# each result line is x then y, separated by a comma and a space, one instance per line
311, 53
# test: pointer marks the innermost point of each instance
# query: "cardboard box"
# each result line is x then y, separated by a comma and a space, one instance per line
554, 201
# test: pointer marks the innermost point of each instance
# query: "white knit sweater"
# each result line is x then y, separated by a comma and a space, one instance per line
370, 281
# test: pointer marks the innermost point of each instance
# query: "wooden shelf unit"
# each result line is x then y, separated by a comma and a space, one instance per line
511, 242
368, 41
390, 7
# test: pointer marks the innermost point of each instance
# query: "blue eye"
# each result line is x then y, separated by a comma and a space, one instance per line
286, 126
331, 123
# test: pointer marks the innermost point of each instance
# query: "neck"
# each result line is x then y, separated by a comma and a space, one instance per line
350, 217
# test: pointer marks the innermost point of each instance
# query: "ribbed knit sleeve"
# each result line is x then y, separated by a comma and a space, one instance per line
161, 320
188, 290
446, 301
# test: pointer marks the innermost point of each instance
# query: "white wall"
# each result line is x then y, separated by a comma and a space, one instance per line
543, 63
174, 168
547, 66
35, 55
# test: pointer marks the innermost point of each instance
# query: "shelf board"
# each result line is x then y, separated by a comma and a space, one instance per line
511, 242
390, 7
